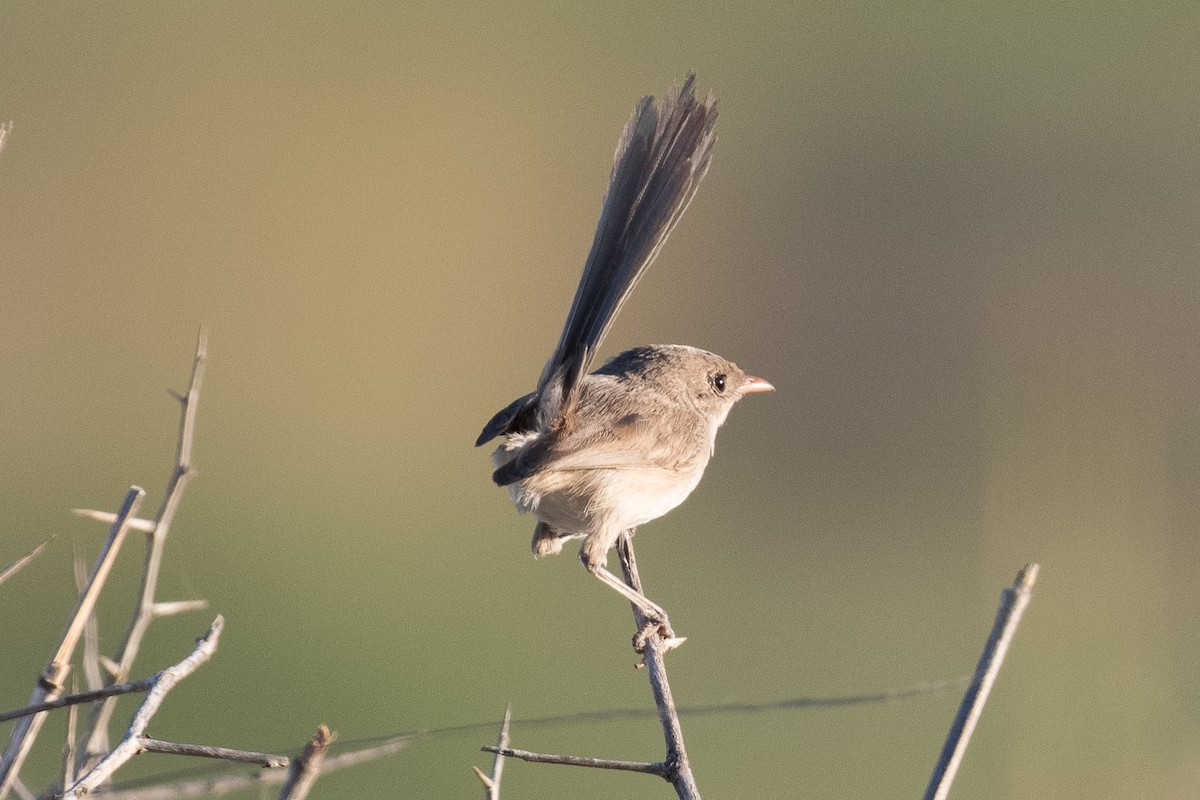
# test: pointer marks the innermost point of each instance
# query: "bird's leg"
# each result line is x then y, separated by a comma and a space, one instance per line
654, 617
650, 609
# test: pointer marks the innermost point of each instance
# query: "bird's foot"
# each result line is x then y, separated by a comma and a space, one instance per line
659, 627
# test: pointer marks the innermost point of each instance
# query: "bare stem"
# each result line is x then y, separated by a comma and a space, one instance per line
1013, 601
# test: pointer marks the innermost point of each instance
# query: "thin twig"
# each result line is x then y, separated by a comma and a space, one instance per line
5, 129
1013, 601
224, 784
135, 737
678, 767
306, 767
491, 783
91, 631
81, 697
68, 760
50, 683
147, 609
139, 524
19, 564
148, 744
649, 767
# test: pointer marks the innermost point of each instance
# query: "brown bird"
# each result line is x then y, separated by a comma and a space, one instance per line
592, 456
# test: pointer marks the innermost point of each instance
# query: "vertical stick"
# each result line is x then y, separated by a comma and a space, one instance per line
1013, 601
678, 766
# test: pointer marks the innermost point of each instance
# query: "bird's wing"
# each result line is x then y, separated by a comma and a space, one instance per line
637, 441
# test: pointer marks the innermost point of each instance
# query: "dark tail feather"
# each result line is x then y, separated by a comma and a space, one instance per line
662, 156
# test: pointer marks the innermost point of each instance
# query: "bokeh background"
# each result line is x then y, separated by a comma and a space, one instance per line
962, 242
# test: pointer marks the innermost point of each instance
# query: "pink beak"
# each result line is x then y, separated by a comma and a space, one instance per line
754, 384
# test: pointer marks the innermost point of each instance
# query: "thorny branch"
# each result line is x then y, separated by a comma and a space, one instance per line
50, 683
136, 741
148, 608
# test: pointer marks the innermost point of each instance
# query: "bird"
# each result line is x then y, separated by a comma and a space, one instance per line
593, 456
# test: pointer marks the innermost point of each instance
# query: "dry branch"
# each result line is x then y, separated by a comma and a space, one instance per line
147, 744
1013, 601
136, 741
148, 607
50, 683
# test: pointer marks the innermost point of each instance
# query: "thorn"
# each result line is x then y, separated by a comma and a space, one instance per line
484, 779
170, 608
108, 518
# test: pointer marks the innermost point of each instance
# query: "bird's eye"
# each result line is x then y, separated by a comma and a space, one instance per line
718, 382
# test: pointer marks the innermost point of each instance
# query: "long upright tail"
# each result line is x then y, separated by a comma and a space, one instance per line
662, 156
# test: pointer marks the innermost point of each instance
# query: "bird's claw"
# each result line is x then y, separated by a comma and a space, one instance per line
660, 628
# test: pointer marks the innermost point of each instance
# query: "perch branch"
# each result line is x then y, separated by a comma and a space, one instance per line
491, 783
1013, 601
305, 768
649, 641
679, 769
97, 728
50, 682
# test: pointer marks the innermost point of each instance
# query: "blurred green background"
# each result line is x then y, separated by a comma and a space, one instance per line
962, 242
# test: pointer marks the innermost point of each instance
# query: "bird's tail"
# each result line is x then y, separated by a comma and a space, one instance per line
662, 156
